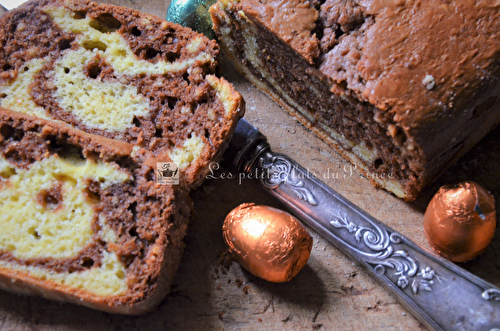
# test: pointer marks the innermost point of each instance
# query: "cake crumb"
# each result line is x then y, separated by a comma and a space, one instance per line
429, 82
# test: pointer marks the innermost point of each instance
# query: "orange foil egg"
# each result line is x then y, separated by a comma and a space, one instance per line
460, 221
268, 242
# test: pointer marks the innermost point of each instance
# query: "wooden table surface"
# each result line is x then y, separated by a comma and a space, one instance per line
330, 293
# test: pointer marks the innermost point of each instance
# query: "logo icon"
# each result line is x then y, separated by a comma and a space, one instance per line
167, 173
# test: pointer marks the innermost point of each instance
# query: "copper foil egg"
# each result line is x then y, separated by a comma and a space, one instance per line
460, 221
268, 242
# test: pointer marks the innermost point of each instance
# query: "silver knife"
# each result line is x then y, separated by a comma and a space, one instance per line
440, 294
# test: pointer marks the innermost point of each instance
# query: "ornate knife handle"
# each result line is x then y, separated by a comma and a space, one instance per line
440, 294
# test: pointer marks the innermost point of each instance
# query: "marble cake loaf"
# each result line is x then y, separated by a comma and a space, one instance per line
120, 74
83, 219
401, 88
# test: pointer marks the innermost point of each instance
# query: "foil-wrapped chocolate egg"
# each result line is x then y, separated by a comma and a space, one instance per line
192, 14
268, 242
460, 221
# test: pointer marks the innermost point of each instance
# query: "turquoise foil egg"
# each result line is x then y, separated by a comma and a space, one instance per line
192, 14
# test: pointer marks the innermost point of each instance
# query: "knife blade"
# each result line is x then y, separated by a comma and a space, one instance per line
440, 294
